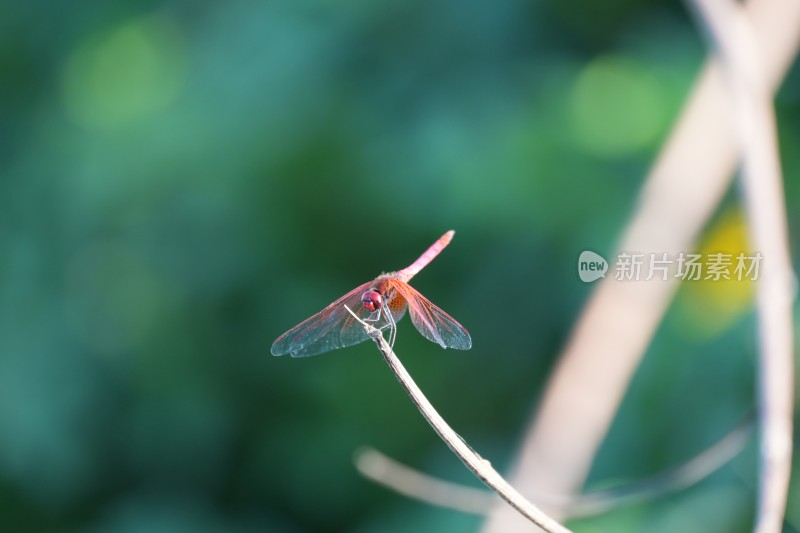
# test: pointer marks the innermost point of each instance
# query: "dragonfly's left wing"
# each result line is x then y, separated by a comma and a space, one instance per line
433, 323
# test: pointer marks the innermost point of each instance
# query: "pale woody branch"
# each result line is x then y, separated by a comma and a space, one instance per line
477, 464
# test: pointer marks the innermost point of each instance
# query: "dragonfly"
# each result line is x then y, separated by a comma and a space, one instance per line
382, 301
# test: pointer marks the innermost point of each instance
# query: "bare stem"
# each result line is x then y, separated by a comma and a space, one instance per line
396, 476
477, 464
733, 37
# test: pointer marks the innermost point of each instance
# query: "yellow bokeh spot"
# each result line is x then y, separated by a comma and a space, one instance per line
125, 75
710, 306
616, 107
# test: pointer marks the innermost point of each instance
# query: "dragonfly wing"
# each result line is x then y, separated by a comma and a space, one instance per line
330, 329
433, 323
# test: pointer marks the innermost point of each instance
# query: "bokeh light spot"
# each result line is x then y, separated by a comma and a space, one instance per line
125, 75
709, 306
616, 107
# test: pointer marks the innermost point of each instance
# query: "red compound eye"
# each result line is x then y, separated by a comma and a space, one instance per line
371, 300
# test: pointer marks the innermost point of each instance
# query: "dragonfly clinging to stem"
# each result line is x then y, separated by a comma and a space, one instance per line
383, 301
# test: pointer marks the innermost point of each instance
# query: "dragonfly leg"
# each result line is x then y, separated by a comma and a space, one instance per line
377, 314
392, 328
390, 323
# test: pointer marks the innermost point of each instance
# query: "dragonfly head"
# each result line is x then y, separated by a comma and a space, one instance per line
372, 300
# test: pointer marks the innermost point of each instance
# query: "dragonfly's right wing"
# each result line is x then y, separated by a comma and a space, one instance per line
330, 329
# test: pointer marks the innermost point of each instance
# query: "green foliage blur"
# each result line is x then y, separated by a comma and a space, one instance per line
181, 182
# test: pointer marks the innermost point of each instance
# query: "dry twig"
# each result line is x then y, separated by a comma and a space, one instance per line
477, 464
732, 36
396, 476
686, 183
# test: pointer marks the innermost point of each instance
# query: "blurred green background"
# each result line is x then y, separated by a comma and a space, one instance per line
180, 182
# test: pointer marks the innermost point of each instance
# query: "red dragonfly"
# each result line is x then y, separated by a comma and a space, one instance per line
383, 301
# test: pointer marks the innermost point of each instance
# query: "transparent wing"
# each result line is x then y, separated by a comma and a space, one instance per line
433, 323
330, 329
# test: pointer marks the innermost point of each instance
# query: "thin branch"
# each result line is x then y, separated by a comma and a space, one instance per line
736, 45
478, 465
670, 480
383, 470
405, 480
